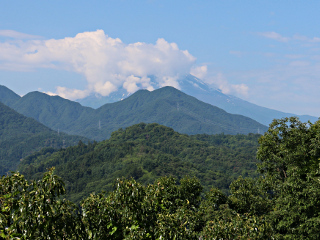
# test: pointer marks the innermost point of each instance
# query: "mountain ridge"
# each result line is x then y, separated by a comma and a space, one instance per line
167, 106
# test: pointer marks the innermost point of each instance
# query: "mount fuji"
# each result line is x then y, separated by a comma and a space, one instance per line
195, 87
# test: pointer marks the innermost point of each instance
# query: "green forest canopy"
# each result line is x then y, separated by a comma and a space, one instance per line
283, 203
147, 152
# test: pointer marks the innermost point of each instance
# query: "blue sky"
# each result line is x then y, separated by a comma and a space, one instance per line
266, 52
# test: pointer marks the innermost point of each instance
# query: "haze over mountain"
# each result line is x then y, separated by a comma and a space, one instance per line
193, 86
21, 136
167, 106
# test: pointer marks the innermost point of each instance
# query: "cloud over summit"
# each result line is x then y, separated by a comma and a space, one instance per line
107, 63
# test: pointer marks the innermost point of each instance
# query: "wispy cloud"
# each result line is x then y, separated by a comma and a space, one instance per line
297, 37
291, 86
289, 78
294, 56
17, 35
220, 81
306, 39
274, 36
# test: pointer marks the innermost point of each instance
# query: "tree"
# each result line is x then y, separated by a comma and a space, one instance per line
133, 211
290, 158
34, 210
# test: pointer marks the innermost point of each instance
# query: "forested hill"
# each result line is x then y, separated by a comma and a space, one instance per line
167, 106
146, 152
53, 111
21, 136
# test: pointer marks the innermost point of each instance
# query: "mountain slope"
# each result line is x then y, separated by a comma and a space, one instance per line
167, 106
7, 96
21, 136
195, 87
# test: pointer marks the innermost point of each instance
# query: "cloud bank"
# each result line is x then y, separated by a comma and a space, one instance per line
107, 63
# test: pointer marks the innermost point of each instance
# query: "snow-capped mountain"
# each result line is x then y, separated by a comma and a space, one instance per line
197, 88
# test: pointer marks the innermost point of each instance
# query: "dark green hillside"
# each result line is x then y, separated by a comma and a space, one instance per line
146, 152
171, 107
21, 136
167, 106
7, 96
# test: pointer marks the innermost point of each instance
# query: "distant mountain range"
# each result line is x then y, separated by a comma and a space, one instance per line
20, 136
167, 106
195, 87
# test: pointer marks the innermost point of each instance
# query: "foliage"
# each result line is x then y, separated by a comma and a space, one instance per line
290, 161
133, 211
33, 210
166, 209
241, 215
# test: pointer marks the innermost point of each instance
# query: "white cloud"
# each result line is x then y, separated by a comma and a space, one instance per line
274, 36
221, 82
107, 63
169, 81
240, 89
69, 93
199, 71
131, 84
